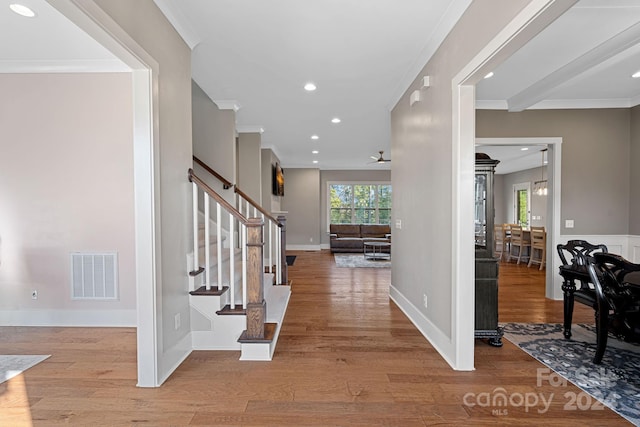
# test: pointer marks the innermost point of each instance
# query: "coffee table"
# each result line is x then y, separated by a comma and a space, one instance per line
377, 250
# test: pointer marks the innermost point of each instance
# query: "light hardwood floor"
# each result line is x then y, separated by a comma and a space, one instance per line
347, 356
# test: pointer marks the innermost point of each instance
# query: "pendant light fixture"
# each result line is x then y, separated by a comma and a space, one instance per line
540, 187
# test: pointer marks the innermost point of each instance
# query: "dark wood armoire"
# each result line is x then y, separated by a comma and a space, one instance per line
486, 281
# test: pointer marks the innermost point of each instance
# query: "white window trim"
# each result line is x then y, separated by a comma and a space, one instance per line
328, 194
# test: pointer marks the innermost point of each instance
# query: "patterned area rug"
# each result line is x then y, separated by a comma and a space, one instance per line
14, 365
357, 260
615, 383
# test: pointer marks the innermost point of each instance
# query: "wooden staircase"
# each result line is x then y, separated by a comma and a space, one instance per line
235, 304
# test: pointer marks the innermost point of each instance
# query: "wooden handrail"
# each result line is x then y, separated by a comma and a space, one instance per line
228, 206
257, 206
226, 184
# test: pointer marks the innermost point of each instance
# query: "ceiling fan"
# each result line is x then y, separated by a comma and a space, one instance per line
380, 159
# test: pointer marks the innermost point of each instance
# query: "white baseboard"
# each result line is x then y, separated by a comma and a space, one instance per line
79, 318
325, 246
173, 357
438, 339
303, 247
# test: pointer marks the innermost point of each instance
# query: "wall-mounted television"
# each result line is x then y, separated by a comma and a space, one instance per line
277, 180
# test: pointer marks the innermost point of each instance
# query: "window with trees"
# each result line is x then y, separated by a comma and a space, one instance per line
359, 203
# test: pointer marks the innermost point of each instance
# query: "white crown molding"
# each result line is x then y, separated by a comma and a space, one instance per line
542, 88
580, 104
227, 104
563, 104
179, 21
64, 66
449, 19
491, 104
249, 129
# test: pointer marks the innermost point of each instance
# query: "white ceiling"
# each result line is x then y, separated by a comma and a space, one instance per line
514, 158
362, 55
49, 43
584, 59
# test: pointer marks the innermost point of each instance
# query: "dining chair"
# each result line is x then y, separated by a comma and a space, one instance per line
499, 241
617, 299
507, 235
538, 253
518, 240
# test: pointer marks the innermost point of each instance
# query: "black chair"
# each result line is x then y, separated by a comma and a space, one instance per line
617, 287
574, 269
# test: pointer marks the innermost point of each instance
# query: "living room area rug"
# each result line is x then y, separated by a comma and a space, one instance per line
359, 261
14, 364
615, 383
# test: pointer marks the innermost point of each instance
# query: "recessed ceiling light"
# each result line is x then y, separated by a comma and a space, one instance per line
335, 120
524, 148
315, 162
314, 137
310, 87
636, 75
22, 10
315, 152
488, 76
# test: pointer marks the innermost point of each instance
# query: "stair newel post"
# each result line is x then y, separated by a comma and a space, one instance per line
256, 306
284, 278
243, 230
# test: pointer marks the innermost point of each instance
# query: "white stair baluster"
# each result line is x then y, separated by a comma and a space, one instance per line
232, 264
270, 246
278, 255
219, 243
207, 243
196, 262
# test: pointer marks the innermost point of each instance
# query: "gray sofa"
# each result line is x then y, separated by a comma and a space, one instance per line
351, 237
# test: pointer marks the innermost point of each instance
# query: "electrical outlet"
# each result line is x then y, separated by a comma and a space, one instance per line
568, 223
398, 224
425, 300
34, 294
177, 321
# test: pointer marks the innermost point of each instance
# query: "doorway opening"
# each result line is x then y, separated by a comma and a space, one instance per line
522, 204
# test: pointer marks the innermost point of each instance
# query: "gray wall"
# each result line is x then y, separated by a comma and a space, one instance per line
422, 170
250, 165
504, 200
302, 202
214, 140
634, 187
66, 185
355, 176
148, 27
595, 166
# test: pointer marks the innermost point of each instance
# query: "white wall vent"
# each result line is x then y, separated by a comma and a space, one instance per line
94, 276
